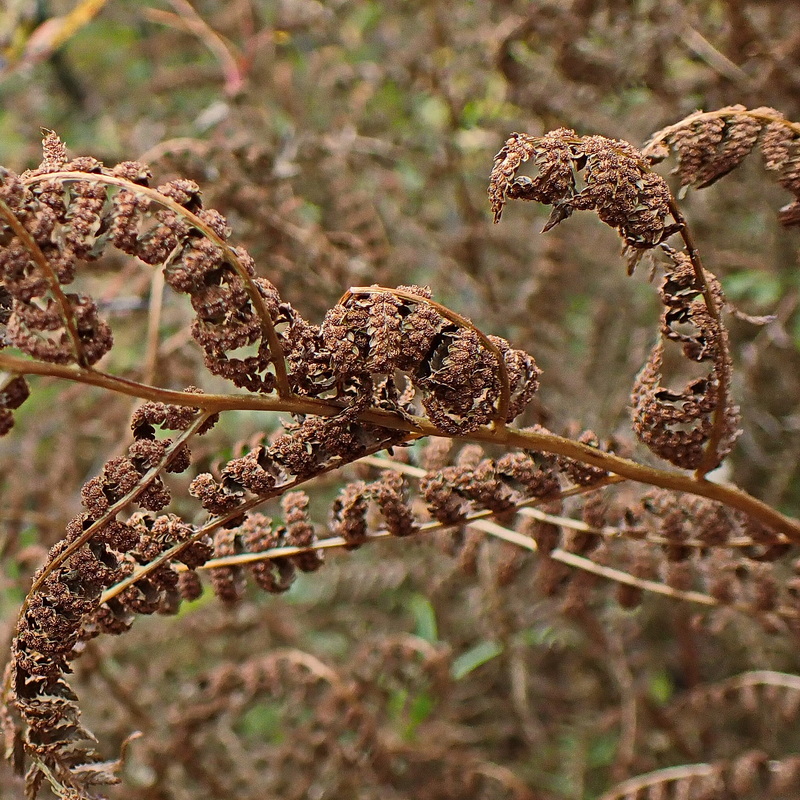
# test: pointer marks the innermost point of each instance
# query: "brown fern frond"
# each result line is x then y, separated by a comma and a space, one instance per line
341, 729
384, 368
299, 531
457, 376
59, 328
696, 426
390, 663
711, 144
43, 714
203, 266
748, 691
13, 393
391, 497
627, 195
752, 774
619, 185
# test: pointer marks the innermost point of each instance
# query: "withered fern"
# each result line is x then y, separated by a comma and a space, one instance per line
383, 368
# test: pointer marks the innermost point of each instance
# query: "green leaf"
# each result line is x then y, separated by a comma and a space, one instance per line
424, 618
474, 658
420, 709
189, 606
547, 636
409, 712
756, 286
262, 721
602, 750
661, 688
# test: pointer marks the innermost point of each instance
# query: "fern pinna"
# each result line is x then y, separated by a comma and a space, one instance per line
384, 368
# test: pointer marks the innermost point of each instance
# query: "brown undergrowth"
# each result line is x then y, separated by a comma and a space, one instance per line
384, 369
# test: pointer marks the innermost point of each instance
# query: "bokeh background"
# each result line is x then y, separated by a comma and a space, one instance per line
350, 142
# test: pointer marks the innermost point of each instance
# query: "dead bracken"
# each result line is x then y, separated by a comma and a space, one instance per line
383, 369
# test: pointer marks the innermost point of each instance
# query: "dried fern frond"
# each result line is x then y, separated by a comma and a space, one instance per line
746, 693
695, 428
678, 425
619, 185
384, 368
711, 144
751, 775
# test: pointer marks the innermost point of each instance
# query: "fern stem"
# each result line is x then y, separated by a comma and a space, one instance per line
527, 440
709, 460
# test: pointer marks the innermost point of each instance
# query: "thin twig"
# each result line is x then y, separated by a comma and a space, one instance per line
718, 61
153, 326
629, 706
187, 18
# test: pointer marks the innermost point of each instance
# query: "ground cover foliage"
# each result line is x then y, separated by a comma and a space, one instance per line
414, 504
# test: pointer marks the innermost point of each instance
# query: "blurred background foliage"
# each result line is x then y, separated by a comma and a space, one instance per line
349, 142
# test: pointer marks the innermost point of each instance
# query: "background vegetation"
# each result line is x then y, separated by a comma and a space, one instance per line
350, 143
